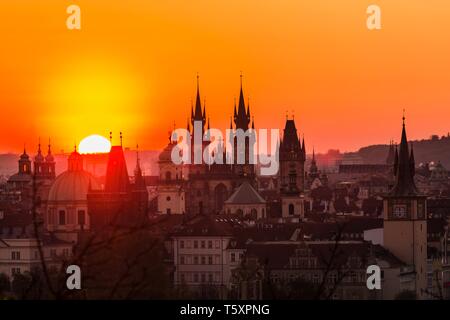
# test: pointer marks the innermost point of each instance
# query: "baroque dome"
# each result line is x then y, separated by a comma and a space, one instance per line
166, 154
72, 186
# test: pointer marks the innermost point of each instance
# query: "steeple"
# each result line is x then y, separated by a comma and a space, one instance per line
138, 176
39, 157
75, 161
198, 114
313, 168
404, 184
242, 117
304, 147
49, 157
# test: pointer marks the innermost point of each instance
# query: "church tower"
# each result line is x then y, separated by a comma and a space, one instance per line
292, 155
39, 164
49, 164
292, 171
242, 119
24, 163
405, 217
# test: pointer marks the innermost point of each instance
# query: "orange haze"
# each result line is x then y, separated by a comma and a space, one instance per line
132, 68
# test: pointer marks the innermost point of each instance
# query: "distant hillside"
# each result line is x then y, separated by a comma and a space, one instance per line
434, 149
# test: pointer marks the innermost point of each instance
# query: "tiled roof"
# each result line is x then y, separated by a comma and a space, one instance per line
245, 194
207, 226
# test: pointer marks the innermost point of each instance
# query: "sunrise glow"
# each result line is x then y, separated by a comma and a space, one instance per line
94, 144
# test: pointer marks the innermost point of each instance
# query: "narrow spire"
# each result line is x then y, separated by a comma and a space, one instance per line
253, 122
231, 123
110, 137
39, 145
242, 118
49, 147
204, 108
198, 114
404, 185
188, 126
121, 138
137, 157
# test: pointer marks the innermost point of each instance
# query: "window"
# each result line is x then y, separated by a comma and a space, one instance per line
81, 217
195, 277
203, 277
53, 253
168, 176
182, 244
210, 277
168, 198
210, 260
15, 255
203, 244
195, 260
168, 211
291, 209
182, 278
203, 260
400, 211
62, 217
65, 252
210, 244
182, 260
217, 244
195, 244
233, 257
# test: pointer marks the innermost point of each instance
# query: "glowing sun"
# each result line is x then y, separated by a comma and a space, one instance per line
94, 144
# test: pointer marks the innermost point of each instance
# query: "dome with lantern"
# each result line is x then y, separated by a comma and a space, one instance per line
73, 184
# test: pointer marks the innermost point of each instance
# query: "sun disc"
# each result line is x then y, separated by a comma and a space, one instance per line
94, 144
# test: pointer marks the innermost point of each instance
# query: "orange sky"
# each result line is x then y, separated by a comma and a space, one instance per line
133, 64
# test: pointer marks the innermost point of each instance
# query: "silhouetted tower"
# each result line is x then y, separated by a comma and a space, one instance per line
242, 118
49, 164
24, 163
292, 154
405, 217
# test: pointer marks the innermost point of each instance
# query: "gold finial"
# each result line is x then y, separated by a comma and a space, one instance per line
110, 137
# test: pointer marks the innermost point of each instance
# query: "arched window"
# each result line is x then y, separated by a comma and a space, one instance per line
291, 209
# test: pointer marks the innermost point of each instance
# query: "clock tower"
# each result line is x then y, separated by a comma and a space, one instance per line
405, 218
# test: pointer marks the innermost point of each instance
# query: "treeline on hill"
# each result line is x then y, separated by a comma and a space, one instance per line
434, 149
